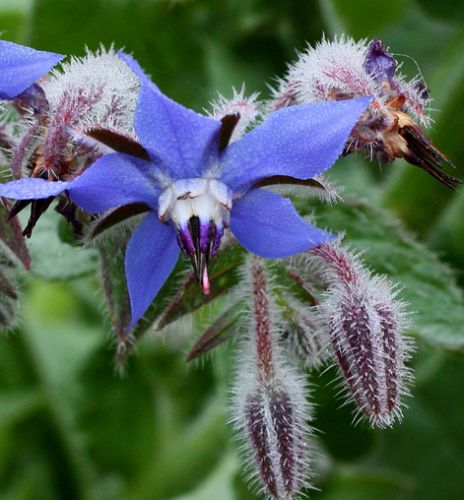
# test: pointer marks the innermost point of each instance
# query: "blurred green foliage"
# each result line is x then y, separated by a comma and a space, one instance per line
70, 428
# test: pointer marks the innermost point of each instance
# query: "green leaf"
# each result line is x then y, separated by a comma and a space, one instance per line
446, 236
361, 18
16, 405
220, 482
182, 466
58, 352
427, 284
55, 260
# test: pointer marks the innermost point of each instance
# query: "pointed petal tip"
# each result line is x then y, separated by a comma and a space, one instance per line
21, 66
32, 189
300, 141
184, 140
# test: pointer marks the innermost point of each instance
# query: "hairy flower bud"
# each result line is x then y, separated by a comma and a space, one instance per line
305, 333
270, 408
246, 107
366, 322
98, 90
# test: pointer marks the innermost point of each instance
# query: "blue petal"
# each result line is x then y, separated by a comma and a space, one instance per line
299, 141
21, 66
113, 180
151, 255
269, 226
32, 189
185, 142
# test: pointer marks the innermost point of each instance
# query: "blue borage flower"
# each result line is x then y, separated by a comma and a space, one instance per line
194, 190
21, 66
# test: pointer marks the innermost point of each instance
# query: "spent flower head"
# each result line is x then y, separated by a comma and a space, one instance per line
342, 68
193, 187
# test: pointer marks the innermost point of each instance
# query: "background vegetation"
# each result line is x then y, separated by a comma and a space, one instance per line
70, 428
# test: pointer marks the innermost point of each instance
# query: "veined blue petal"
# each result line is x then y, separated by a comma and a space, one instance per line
151, 255
269, 226
21, 66
299, 141
185, 141
113, 180
32, 189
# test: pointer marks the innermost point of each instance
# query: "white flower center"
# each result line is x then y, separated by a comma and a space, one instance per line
199, 208
207, 199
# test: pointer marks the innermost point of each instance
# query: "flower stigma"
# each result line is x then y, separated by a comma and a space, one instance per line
199, 208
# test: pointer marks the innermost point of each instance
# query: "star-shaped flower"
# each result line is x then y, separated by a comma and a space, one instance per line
21, 66
195, 188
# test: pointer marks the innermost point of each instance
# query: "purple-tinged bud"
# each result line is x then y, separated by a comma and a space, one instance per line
247, 108
277, 440
32, 98
366, 322
379, 62
270, 407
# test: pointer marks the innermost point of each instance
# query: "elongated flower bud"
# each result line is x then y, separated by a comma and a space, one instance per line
366, 322
270, 408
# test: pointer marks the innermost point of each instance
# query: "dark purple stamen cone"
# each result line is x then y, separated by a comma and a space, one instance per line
199, 241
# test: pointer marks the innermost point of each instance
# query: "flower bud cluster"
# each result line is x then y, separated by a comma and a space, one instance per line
98, 90
50, 142
270, 407
365, 321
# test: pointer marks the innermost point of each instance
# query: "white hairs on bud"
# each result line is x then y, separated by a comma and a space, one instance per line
270, 415
246, 106
367, 321
338, 66
337, 63
101, 83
